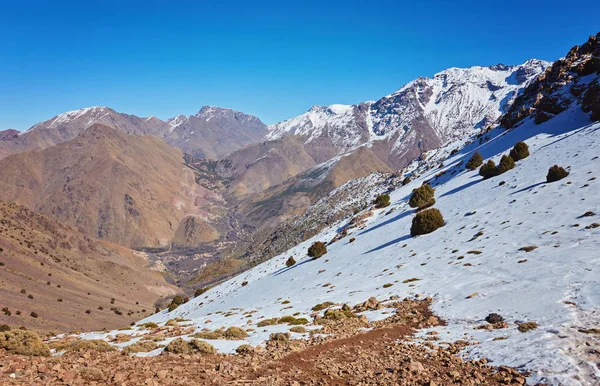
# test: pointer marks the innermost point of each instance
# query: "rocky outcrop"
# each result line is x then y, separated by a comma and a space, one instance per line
571, 80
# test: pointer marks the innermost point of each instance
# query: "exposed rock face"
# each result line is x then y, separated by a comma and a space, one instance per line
571, 80
194, 230
214, 132
127, 189
53, 261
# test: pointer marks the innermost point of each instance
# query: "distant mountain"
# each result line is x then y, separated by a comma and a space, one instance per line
214, 132
67, 278
9, 135
127, 189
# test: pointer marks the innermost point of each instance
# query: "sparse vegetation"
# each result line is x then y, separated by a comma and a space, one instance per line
23, 342
494, 318
528, 326
145, 346
317, 249
528, 248
322, 306
382, 201
280, 336
422, 197
519, 151
235, 333
91, 344
475, 161
149, 326
426, 221
556, 173
298, 329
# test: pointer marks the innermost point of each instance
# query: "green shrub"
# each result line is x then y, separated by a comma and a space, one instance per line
426, 221
23, 342
488, 169
528, 326
209, 335
422, 197
406, 180
291, 261
298, 329
317, 250
506, 163
475, 161
382, 201
519, 151
556, 173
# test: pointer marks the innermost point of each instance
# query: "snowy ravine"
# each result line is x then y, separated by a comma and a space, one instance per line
521, 286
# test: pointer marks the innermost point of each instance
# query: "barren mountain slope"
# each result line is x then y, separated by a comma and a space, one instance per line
51, 274
127, 189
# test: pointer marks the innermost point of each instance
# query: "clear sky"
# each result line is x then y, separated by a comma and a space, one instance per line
274, 59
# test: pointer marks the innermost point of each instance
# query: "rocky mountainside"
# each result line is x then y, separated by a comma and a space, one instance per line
214, 132
422, 115
572, 80
54, 277
127, 189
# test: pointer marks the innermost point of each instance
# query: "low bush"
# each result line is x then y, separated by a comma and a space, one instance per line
180, 346
200, 291
4, 327
322, 306
23, 342
488, 170
382, 201
475, 161
298, 329
149, 325
244, 349
317, 249
422, 197
177, 301
528, 326
556, 173
145, 346
426, 221
234, 333
280, 336
506, 163
291, 261
519, 151
200, 346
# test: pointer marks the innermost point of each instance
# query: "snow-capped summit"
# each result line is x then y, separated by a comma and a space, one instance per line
450, 105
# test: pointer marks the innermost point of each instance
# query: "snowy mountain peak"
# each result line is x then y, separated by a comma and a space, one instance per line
454, 103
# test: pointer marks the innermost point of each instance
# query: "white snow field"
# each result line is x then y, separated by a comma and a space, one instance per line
521, 286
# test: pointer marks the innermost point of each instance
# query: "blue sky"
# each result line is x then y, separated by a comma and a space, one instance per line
272, 59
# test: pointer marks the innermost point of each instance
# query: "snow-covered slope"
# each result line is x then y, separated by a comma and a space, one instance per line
451, 105
556, 285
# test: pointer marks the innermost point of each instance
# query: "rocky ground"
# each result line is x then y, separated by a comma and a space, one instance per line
351, 352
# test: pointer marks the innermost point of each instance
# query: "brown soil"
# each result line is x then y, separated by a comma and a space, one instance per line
385, 355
